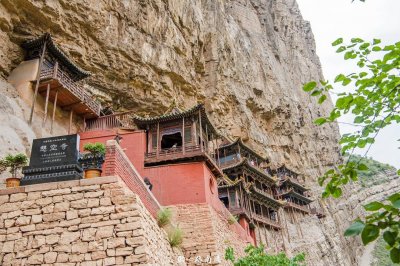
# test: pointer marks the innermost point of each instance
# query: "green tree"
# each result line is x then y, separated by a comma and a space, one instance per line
256, 256
374, 100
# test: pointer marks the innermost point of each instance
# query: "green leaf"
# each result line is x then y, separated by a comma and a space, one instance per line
337, 193
376, 41
396, 204
356, 40
316, 93
376, 48
373, 206
362, 167
369, 233
354, 229
322, 99
320, 121
389, 237
341, 49
398, 172
395, 255
309, 86
337, 42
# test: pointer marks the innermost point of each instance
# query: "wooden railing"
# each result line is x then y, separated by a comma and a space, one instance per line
75, 87
266, 220
263, 192
239, 210
119, 120
171, 152
298, 206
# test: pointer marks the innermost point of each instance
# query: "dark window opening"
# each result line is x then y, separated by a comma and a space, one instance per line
225, 201
171, 141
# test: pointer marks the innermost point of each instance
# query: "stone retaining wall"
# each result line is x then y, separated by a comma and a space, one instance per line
206, 234
84, 222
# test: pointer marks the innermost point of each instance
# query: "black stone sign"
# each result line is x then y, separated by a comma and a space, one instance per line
53, 159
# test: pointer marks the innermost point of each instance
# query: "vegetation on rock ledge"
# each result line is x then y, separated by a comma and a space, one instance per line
256, 256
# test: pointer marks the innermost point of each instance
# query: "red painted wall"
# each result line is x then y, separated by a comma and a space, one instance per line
172, 184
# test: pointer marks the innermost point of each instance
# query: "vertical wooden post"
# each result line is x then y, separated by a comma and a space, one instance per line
84, 123
37, 82
219, 164
183, 135
200, 132
55, 70
158, 137
207, 140
70, 121
54, 112
46, 104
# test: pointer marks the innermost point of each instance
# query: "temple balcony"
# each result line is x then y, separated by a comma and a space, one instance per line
68, 94
302, 208
119, 120
239, 211
266, 220
182, 153
264, 193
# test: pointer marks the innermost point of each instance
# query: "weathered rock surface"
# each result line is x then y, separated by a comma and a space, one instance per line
246, 59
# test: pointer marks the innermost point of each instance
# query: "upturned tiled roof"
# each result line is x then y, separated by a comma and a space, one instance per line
174, 115
52, 48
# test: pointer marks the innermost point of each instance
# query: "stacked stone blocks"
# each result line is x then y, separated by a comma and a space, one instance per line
85, 222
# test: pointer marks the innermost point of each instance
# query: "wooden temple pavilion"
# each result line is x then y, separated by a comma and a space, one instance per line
180, 136
59, 80
231, 153
246, 189
292, 190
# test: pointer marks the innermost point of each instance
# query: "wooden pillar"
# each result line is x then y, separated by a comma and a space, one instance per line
55, 70
200, 132
158, 139
46, 104
207, 140
193, 132
183, 135
37, 82
71, 113
54, 112
84, 123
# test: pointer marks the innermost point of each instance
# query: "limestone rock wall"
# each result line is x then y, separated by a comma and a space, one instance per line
85, 222
246, 59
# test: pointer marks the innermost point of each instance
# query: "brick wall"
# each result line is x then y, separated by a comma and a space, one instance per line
117, 163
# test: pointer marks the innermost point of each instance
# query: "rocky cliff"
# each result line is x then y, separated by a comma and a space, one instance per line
245, 59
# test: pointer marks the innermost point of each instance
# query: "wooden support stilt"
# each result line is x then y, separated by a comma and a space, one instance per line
183, 135
200, 132
84, 124
158, 140
37, 82
71, 113
54, 112
46, 104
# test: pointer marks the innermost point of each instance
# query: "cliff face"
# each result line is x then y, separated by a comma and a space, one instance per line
245, 59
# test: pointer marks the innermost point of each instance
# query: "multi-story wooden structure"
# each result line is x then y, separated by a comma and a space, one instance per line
247, 188
180, 137
292, 190
58, 80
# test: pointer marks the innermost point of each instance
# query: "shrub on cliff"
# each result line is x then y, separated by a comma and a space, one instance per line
256, 256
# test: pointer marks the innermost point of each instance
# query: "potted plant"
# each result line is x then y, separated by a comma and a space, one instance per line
94, 158
14, 163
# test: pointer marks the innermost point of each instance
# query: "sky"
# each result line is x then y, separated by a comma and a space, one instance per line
331, 19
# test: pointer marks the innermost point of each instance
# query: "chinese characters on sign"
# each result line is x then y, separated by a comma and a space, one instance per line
52, 160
